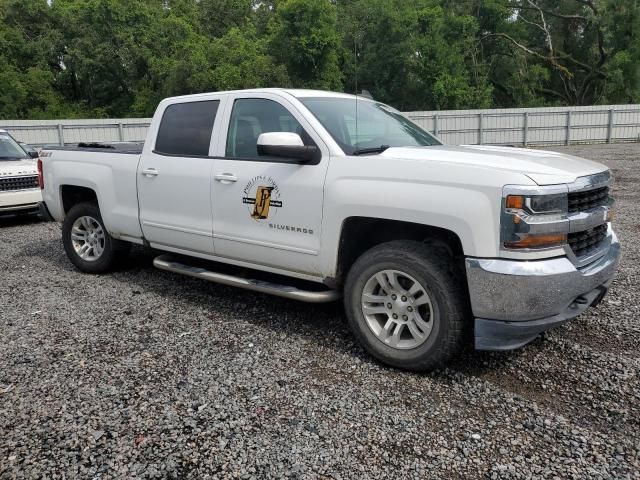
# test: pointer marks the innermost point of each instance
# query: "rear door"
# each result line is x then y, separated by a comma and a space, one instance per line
174, 177
267, 210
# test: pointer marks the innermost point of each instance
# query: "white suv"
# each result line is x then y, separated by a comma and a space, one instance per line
19, 191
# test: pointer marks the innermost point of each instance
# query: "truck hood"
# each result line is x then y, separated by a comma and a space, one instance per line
541, 166
11, 168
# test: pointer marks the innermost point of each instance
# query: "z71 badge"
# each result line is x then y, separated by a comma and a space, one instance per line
262, 197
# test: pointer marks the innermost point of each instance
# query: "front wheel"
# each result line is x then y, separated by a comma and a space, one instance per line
407, 305
86, 241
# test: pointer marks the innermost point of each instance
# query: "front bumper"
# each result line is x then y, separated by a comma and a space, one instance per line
20, 200
513, 301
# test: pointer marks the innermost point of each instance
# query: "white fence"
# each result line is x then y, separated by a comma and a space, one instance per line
522, 126
60, 132
534, 126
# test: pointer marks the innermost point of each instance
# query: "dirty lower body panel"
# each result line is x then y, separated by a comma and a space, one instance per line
514, 301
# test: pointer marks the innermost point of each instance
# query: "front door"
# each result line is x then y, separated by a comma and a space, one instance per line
267, 211
174, 179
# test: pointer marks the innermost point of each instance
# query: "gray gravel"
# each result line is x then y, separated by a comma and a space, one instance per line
146, 374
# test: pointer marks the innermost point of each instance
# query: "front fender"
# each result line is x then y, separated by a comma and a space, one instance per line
461, 199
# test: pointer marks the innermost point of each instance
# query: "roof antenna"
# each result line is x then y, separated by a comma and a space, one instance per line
355, 59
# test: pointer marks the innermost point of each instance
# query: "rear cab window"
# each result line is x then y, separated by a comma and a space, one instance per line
185, 129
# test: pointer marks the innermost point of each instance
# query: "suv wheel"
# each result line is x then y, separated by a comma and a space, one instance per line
406, 303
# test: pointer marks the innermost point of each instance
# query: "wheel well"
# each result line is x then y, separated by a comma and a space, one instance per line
72, 195
359, 234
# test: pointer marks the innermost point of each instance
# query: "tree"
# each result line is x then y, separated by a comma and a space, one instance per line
71, 58
574, 48
104, 50
217, 17
184, 61
414, 55
622, 22
29, 53
304, 39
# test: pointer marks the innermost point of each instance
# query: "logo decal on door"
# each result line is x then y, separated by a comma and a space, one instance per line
262, 197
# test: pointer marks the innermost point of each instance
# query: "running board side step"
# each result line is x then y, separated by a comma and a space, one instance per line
167, 263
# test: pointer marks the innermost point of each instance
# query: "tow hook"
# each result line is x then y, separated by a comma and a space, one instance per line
581, 300
603, 292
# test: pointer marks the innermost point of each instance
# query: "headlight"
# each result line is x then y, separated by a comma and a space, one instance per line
537, 204
534, 221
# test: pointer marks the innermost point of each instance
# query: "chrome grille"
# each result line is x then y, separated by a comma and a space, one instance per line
588, 194
8, 184
586, 200
588, 241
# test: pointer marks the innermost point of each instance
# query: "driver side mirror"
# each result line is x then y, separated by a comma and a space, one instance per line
286, 145
32, 152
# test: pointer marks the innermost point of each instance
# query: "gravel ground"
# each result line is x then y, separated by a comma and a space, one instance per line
147, 374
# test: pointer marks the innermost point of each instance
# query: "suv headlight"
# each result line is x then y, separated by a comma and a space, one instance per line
534, 220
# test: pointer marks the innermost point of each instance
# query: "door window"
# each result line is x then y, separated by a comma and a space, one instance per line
185, 129
252, 116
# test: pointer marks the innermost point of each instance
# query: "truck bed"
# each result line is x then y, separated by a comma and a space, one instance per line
122, 148
109, 170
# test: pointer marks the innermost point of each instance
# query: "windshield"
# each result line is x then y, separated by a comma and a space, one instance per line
379, 126
10, 149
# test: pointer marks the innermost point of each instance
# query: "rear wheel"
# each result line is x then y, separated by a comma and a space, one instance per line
86, 241
406, 303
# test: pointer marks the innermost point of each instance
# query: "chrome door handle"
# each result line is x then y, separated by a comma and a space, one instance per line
226, 178
150, 172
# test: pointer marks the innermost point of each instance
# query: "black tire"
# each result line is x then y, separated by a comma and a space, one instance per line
113, 250
445, 285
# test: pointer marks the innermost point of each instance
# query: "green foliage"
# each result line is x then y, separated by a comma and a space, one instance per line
415, 55
622, 23
179, 60
304, 38
75, 58
217, 17
566, 52
29, 47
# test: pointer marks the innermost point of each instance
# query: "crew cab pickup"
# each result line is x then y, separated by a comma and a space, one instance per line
333, 196
19, 192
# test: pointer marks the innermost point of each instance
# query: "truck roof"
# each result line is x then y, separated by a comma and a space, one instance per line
296, 92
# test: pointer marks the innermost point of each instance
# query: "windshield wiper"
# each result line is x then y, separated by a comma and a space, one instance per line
364, 151
13, 158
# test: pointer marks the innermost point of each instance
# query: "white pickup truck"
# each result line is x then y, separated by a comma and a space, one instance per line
19, 192
430, 245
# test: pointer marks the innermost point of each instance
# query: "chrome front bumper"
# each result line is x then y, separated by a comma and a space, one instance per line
513, 300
